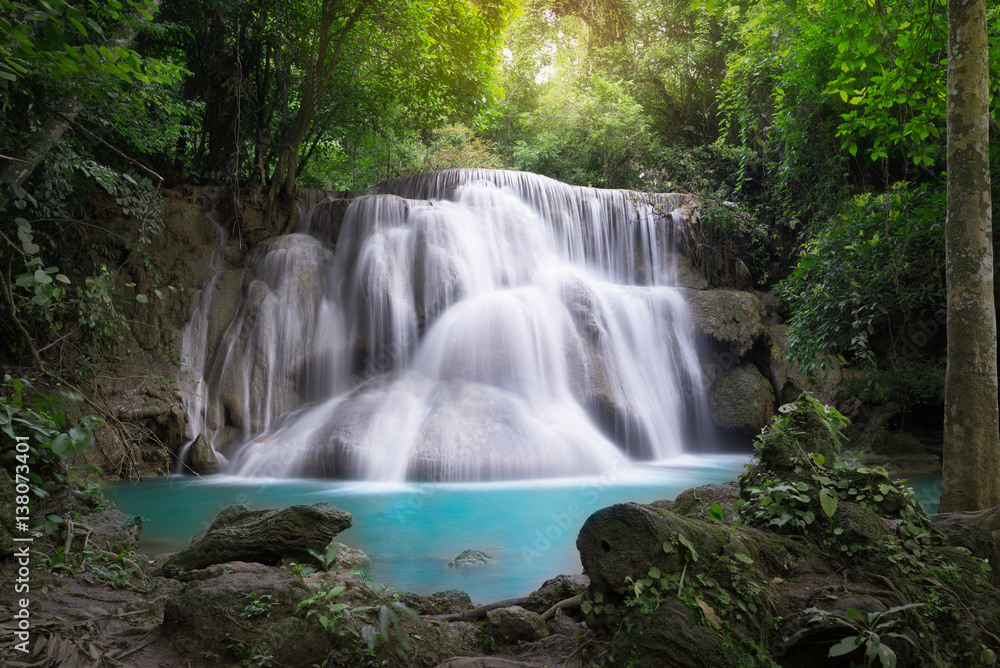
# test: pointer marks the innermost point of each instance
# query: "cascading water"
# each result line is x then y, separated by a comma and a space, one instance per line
470, 325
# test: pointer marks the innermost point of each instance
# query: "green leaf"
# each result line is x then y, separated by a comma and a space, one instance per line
744, 558
845, 646
141, 298
62, 446
828, 502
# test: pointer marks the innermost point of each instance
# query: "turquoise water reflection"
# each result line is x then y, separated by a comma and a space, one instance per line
411, 531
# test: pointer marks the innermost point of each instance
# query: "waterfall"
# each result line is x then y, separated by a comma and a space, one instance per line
458, 325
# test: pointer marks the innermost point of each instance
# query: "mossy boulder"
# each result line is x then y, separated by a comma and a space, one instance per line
514, 624
803, 428
780, 571
201, 457
730, 317
220, 615
266, 536
742, 399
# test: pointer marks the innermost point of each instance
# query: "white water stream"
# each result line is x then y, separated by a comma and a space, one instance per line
469, 325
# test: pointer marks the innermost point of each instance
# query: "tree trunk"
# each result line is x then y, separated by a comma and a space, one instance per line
971, 428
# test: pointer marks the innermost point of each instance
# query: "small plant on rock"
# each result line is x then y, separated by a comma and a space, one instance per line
870, 629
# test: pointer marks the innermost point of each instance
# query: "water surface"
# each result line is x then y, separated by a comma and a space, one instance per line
412, 531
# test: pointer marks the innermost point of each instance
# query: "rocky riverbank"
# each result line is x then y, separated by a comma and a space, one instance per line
803, 561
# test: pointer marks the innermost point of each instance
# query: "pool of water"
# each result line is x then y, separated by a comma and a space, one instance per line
412, 531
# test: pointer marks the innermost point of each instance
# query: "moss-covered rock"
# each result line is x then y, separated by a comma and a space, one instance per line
742, 399
267, 536
224, 615
732, 318
514, 624
813, 552
803, 428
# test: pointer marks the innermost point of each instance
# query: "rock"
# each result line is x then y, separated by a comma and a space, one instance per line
216, 570
734, 319
742, 399
113, 531
564, 625
552, 650
514, 624
266, 536
688, 276
554, 590
671, 638
350, 557
201, 457
249, 608
697, 502
472, 558
484, 662
789, 379
441, 603
961, 531
811, 423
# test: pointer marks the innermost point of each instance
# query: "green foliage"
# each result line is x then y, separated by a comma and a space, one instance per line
331, 82
586, 132
871, 629
337, 618
94, 566
868, 280
597, 605
258, 605
328, 559
26, 412
258, 655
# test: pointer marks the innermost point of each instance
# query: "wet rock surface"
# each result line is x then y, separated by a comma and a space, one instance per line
266, 536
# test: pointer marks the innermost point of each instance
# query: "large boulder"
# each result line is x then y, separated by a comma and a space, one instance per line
743, 400
201, 457
514, 624
265, 536
241, 607
732, 318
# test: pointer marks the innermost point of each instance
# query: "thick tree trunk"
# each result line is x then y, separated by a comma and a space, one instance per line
971, 431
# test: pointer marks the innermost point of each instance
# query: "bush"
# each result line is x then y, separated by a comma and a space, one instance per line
869, 281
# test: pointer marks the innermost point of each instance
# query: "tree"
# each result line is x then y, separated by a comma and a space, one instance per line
284, 82
971, 423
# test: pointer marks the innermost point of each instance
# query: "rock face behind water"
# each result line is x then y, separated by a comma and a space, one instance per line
264, 536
